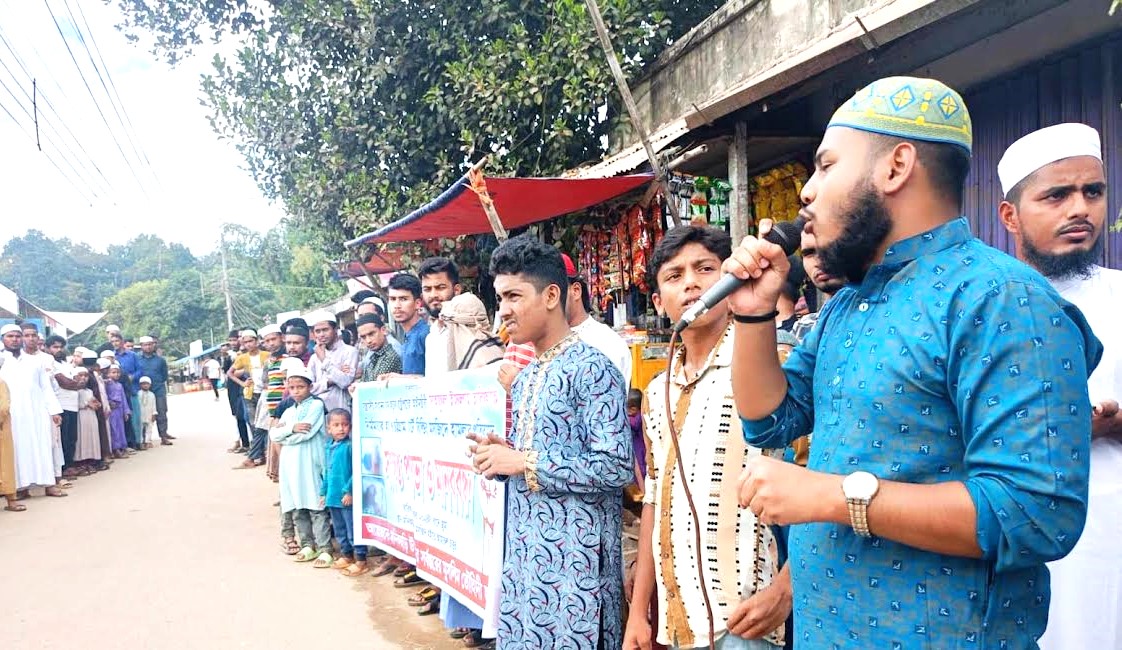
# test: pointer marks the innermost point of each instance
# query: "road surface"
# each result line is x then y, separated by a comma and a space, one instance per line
174, 549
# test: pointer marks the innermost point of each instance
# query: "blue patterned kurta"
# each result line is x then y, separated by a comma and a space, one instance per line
951, 362
562, 578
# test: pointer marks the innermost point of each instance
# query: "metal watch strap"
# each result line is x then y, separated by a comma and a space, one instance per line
859, 516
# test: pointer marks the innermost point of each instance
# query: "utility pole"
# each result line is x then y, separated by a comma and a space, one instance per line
226, 281
661, 174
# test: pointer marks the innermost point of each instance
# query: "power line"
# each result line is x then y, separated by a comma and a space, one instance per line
104, 86
31, 137
97, 105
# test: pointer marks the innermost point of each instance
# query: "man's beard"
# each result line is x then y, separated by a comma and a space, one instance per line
61, 356
865, 225
1067, 265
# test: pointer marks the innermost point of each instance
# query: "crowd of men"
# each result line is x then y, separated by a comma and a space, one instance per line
68, 414
930, 459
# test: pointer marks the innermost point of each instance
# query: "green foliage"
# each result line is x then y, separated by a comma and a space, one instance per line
353, 111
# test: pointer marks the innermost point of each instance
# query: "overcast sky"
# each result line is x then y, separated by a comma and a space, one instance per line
190, 183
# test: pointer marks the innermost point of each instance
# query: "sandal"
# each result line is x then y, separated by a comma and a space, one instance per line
236, 448
474, 639
323, 561
342, 563
459, 632
356, 569
429, 608
410, 579
401, 570
384, 569
16, 507
290, 546
55, 491
306, 554
424, 596
65, 485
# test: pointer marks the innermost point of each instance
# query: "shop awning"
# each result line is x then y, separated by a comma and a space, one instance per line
518, 201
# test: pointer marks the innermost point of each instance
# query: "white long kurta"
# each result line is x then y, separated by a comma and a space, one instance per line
33, 403
301, 456
1086, 607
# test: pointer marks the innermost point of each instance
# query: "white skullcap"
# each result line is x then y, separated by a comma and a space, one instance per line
10, 328
249, 334
88, 354
146, 339
113, 329
374, 300
1044, 147
104, 363
115, 365
144, 380
301, 372
269, 329
322, 316
81, 350
107, 354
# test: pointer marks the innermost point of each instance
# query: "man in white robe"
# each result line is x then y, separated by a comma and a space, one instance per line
35, 413
1055, 207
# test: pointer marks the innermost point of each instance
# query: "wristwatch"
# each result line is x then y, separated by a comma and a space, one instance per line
859, 489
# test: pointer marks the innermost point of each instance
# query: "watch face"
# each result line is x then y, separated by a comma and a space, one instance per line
860, 485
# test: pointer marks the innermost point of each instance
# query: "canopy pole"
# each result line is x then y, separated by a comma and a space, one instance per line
479, 186
632, 110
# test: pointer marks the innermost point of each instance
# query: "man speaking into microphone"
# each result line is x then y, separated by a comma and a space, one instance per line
945, 385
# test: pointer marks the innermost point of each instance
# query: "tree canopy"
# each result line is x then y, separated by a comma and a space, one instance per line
352, 111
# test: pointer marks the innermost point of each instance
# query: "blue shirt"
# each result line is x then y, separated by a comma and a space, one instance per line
413, 349
155, 368
337, 473
130, 366
951, 362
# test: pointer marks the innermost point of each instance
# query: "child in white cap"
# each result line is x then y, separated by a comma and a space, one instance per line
147, 410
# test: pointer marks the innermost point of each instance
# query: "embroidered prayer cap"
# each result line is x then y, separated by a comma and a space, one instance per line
146, 339
301, 372
108, 354
270, 329
144, 380
9, 328
322, 316
249, 334
1044, 147
911, 108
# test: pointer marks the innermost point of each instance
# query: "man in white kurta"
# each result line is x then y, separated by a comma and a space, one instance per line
1055, 207
34, 411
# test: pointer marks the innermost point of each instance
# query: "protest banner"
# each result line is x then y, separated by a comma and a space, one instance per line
416, 494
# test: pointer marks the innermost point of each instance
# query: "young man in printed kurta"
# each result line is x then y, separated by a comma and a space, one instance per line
569, 459
749, 594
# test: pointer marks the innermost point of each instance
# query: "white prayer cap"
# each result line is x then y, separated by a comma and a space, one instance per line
115, 365
249, 334
104, 363
146, 339
113, 329
108, 354
301, 372
80, 370
144, 380
81, 350
88, 353
269, 329
374, 300
10, 327
322, 316
1044, 147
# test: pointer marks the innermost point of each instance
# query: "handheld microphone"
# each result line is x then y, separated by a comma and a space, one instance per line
785, 234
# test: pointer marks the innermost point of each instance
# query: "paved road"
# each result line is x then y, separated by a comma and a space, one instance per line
173, 549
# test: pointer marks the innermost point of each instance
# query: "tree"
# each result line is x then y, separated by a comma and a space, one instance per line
351, 112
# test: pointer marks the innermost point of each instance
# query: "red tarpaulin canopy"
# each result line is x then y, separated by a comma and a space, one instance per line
519, 202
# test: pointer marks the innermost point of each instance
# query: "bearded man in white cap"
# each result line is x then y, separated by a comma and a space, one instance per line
1055, 207
333, 363
35, 412
155, 367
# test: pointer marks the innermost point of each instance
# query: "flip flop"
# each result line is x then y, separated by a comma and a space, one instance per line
423, 596
429, 608
401, 570
306, 554
410, 579
342, 563
323, 561
65, 485
56, 493
384, 569
459, 632
16, 507
355, 570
